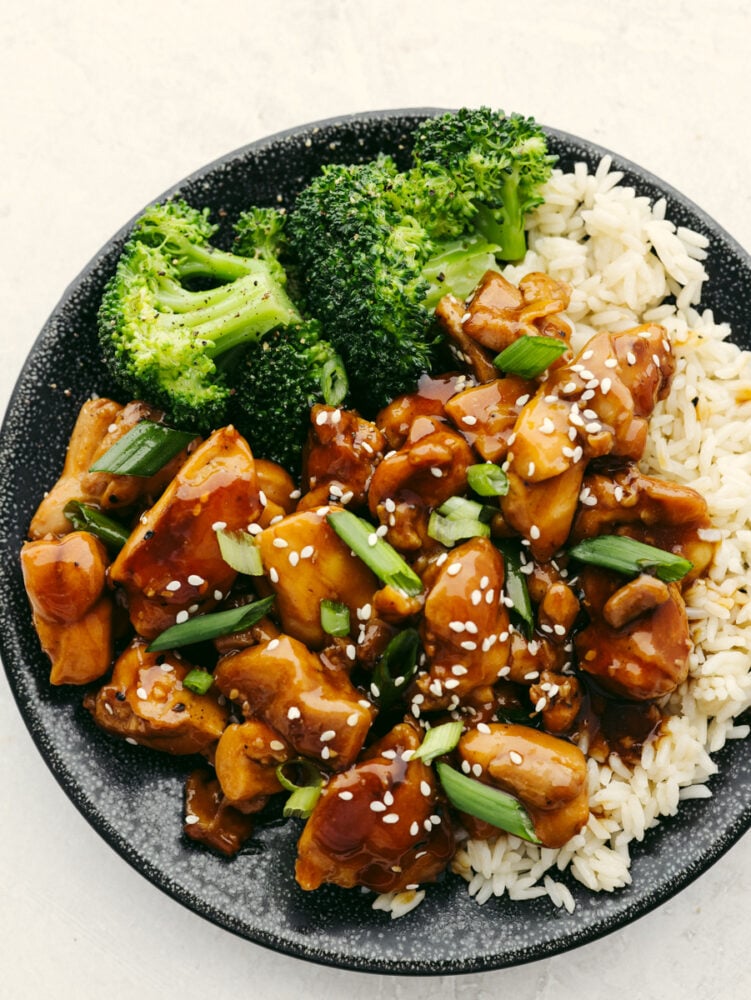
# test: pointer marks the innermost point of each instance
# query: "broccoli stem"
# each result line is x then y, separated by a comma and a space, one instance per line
197, 260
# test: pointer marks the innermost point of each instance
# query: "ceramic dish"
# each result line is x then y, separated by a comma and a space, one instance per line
133, 796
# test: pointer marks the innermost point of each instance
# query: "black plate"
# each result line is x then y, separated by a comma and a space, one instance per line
133, 797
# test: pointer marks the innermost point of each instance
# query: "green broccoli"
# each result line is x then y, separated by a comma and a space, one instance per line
377, 247
279, 379
498, 162
176, 304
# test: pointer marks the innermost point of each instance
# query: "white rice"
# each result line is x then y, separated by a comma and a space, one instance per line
622, 257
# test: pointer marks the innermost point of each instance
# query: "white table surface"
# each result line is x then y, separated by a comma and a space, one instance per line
102, 107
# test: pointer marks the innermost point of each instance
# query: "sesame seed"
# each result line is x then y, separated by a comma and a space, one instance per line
441, 558
181, 616
466, 766
294, 558
427, 826
219, 525
389, 754
414, 829
458, 670
375, 690
191, 820
522, 400
656, 360
593, 428
353, 719
276, 745
364, 703
425, 789
435, 819
570, 387
262, 498
141, 692
273, 575
534, 532
325, 753
469, 645
477, 770
173, 585
436, 688
611, 363
531, 469
336, 416
388, 798
372, 539
631, 358
192, 609
540, 704
295, 494
218, 595
454, 568
531, 675
272, 644
578, 453
605, 385
438, 473
490, 596
475, 597
559, 629
377, 807
280, 543
293, 712
471, 627
255, 529
547, 426
345, 795
515, 757
195, 580
382, 530
307, 552
330, 734
129, 739
504, 671
469, 420
450, 683
322, 417
109, 708
351, 651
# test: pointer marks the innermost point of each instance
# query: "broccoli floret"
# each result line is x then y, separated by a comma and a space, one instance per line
377, 247
176, 304
279, 379
498, 162
261, 233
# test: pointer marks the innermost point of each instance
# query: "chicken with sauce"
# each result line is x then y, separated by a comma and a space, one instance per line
530, 681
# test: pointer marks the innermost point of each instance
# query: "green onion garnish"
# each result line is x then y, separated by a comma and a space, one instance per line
204, 627
84, 517
304, 796
627, 555
198, 681
143, 451
529, 356
459, 518
240, 552
334, 617
396, 668
438, 741
486, 802
488, 479
516, 583
376, 553
448, 531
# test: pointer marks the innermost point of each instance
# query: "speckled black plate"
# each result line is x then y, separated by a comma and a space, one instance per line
133, 797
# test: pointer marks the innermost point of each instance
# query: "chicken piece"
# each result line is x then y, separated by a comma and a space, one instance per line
542, 513
276, 491
171, 566
379, 824
465, 626
306, 562
246, 759
528, 658
100, 423
634, 598
486, 414
547, 774
210, 819
647, 657
146, 703
558, 699
558, 612
429, 468
433, 393
72, 612
340, 455
450, 312
667, 515
499, 313
315, 709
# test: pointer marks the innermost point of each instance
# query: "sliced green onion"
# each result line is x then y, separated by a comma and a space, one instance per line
198, 681
334, 617
627, 555
304, 796
210, 626
529, 356
84, 517
240, 552
488, 479
143, 451
438, 741
460, 508
516, 583
396, 668
486, 802
448, 531
376, 553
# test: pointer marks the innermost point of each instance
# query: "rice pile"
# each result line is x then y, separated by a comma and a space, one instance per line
622, 258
